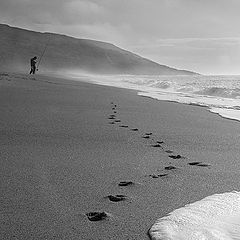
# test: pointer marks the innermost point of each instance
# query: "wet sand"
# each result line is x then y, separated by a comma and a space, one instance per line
83, 161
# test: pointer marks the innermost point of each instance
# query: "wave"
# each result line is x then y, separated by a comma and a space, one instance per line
181, 86
162, 85
215, 217
220, 92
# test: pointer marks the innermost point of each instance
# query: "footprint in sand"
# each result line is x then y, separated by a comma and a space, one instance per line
199, 164
203, 165
134, 129
146, 137
157, 176
175, 156
97, 216
156, 146
125, 183
124, 126
162, 175
148, 134
160, 142
170, 168
117, 121
194, 163
117, 198
153, 176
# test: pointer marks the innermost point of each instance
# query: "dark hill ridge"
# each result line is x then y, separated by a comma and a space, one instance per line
18, 45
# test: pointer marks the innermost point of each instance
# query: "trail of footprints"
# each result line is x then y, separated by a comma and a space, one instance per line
98, 216
157, 144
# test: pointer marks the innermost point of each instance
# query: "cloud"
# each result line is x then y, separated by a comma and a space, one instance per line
144, 26
145, 20
78, 18
204, 55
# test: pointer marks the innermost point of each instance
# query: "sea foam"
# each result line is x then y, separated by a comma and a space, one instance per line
215, 217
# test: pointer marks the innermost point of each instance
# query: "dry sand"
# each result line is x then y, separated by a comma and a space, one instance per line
61, 158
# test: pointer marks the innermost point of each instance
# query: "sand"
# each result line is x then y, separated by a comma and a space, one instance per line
62, 159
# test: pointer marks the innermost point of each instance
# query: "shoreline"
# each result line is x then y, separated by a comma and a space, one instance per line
193, 104
227, 109
63, 158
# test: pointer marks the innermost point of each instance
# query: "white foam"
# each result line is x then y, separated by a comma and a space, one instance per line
227, 113
216, 217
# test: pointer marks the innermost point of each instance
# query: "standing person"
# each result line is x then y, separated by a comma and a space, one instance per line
33, 65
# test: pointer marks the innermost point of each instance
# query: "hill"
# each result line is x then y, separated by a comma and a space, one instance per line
18, 45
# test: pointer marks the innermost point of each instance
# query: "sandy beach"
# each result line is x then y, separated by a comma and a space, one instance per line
67, 145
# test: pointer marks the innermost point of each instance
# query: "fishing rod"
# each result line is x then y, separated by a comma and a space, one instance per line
43, 53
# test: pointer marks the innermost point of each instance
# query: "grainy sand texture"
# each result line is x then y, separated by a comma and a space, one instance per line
84, 161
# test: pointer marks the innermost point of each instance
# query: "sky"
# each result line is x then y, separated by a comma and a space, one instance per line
197, 35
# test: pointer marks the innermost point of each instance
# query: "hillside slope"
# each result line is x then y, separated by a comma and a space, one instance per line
17, 46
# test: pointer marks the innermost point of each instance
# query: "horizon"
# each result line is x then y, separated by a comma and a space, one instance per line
158, 31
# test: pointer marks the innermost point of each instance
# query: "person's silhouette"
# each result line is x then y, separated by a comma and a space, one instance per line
33, 65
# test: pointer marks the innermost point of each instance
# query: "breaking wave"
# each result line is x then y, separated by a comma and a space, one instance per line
220, 92
215, 217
